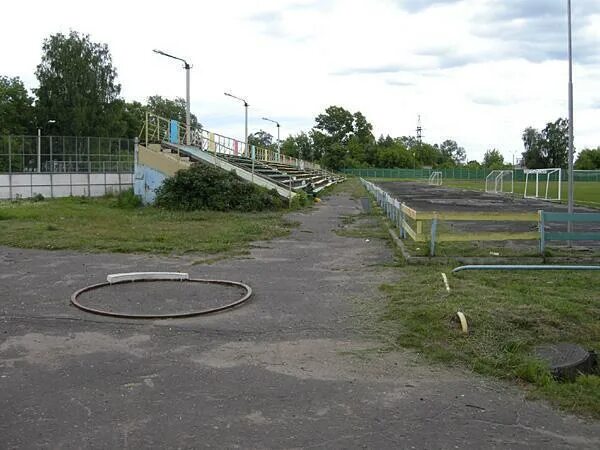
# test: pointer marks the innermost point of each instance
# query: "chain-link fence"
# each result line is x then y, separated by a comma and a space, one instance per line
460, 173
65, 154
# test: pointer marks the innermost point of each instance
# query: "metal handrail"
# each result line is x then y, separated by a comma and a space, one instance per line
158, 129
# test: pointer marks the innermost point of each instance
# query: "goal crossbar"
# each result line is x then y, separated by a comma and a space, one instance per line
435, 179
540, 173
496, 179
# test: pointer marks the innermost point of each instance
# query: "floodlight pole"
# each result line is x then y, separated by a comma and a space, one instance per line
188, 114
278, 141
39, 146
248, 149
571, 181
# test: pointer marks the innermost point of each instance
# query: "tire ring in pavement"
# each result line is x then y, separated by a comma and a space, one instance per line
247, 295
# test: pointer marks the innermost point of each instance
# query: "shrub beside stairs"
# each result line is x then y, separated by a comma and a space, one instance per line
286, 179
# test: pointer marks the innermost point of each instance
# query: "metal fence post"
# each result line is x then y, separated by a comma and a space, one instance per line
402, 232
9, 168
89, 169
434, 223
541, 227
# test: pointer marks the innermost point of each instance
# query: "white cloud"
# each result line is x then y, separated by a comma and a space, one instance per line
478, 71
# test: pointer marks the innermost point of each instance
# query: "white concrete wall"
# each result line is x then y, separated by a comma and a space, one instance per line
26, 185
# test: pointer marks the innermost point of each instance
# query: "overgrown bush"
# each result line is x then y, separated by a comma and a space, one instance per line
128, 200
205, 187
300, 200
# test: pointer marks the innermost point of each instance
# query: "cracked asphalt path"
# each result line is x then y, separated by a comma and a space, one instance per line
290, 369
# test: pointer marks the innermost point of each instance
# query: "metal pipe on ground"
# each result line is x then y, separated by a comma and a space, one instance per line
523, 267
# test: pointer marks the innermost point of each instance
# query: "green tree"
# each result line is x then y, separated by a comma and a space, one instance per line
533, 157
334, 157
261, 139
16, 110
341, 138
474, 164
171, 109
395, 155
289, 147
548, 148
556, 142
299, 146
337, 124
133, 116
78, 87
451, 152
493, 159
588, 159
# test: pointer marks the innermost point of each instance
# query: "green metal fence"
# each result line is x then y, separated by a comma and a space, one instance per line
459, 173
65, 154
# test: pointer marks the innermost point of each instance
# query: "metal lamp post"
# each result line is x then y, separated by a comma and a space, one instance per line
187, 67
248, 151
278, 140
571, 184
39, 146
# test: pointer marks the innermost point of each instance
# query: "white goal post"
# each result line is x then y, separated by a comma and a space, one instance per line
547, 192
500, 181
435, 179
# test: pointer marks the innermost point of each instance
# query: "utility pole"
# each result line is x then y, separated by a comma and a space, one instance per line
188, 115
248, 149
278, 141
571, 181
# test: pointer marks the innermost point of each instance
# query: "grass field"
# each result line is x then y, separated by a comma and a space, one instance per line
98, 225
508, 314
586, 193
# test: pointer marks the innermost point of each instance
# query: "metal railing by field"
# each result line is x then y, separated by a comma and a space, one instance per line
556, 217
426, 226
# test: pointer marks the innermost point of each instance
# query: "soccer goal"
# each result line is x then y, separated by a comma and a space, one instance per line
435, 179
500, 182
543, 183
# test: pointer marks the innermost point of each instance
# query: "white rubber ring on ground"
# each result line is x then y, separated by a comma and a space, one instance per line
133, 276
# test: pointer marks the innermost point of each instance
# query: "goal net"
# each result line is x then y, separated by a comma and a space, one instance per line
543, 183
500, 182
435, 179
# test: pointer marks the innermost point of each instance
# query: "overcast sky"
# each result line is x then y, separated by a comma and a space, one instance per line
477, 71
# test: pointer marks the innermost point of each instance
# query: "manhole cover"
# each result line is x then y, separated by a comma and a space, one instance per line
566, 361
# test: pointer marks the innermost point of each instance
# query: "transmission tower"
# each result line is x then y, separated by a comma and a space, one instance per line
419, 130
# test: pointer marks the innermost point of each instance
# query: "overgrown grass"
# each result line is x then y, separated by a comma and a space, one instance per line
509, 313
351, 186
100, 225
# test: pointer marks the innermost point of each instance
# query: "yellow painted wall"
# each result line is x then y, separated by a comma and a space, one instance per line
164, 162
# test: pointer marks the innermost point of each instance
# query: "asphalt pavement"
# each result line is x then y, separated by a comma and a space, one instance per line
292, 368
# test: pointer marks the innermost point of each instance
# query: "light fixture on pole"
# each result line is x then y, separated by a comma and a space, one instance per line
39, 146
248, 151
187, 67
571, 184
278, 140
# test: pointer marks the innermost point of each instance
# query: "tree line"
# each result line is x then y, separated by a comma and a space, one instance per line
342, 139
78, 95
